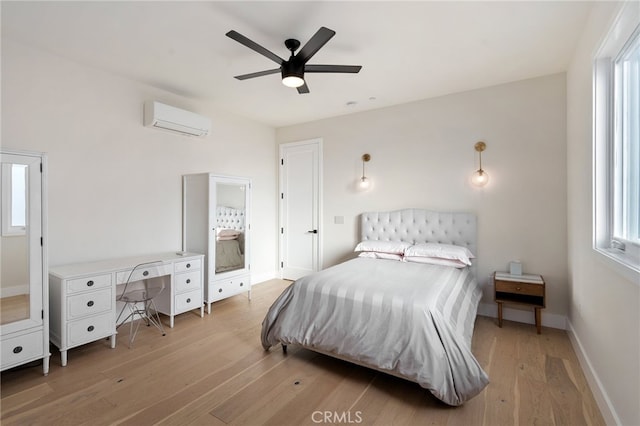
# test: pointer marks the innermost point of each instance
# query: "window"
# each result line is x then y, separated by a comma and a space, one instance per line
14, 202
617, 142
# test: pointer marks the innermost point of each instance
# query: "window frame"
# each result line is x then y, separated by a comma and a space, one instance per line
622, 254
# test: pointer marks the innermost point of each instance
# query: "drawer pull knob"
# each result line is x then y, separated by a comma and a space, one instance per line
89, 283
518, 288
17, 349
145, 273
90, 328
219, 290
188, 280
90, 303
189, 300
241, 284
188, 265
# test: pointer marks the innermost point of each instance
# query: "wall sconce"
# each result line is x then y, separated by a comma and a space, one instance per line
480, 177
364, 182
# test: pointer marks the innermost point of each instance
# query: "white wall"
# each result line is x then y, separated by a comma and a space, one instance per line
422, 155
114, 185
604, 313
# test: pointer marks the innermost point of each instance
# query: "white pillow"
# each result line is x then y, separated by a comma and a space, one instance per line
395, 247
436, 261
441, 251
380, 255
227, 232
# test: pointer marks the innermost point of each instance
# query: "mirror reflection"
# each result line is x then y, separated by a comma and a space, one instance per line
230, 229
14, 244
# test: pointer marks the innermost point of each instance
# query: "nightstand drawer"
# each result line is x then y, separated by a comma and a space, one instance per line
520, 288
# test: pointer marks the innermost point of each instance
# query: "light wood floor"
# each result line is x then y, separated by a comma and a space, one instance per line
213, 371
14, 308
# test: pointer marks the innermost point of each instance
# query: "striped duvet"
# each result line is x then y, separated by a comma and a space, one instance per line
411, 320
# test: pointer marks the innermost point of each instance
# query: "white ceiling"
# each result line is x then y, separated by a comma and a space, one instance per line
409, 50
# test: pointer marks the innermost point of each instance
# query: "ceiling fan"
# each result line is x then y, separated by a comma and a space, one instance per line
293, 69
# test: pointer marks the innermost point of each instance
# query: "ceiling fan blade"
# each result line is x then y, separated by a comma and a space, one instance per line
303, 89
319, 39
255, 46
333, 68
257, 74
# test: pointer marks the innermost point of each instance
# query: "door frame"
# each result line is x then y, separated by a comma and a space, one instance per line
319, 198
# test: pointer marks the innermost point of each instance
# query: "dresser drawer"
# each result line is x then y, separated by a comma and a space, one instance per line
89, 329
88, 283
229, 287
90, 303
19, 349
188, 301
187, 281
143, 273
187, 265
519, 288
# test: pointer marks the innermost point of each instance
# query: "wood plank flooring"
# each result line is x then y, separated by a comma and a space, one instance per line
213, 371
14, 308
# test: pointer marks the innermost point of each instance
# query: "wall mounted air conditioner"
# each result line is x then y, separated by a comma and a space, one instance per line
174, 119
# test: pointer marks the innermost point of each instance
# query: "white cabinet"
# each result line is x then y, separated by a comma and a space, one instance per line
82, 309
216, 212
24, 313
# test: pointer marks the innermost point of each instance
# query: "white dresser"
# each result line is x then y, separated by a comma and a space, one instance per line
82, 296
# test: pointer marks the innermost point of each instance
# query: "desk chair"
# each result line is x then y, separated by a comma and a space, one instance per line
144, 283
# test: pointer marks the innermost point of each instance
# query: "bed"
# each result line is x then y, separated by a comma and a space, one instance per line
405, 306
229, 239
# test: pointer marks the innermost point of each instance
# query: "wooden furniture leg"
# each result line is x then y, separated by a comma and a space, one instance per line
499, 314
538, 321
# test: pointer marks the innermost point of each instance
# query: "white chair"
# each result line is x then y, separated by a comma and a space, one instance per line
144, 283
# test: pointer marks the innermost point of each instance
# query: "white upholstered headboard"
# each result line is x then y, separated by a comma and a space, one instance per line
230, 218
420, 226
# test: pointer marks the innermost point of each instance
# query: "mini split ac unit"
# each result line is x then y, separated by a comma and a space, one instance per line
174, 119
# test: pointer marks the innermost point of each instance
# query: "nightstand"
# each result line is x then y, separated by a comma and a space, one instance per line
526, 289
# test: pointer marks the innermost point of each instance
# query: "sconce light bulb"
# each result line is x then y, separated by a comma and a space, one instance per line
364, 182
480, 178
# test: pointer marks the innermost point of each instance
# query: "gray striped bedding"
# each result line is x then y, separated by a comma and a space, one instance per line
411, 320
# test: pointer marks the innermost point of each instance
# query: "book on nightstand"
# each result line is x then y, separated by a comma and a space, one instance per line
524, 278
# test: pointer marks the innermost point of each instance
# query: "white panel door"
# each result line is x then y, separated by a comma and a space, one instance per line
300, 184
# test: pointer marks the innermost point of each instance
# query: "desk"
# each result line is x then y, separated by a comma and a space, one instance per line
82, 296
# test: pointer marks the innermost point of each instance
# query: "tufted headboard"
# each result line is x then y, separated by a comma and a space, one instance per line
230, 218
420, 226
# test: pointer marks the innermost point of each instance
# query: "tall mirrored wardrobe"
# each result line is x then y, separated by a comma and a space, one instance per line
216, 212
24, 313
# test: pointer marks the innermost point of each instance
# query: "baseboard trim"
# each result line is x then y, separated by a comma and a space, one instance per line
523, 315
599, 393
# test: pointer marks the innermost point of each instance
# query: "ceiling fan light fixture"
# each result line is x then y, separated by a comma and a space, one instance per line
292, 74
292, 81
